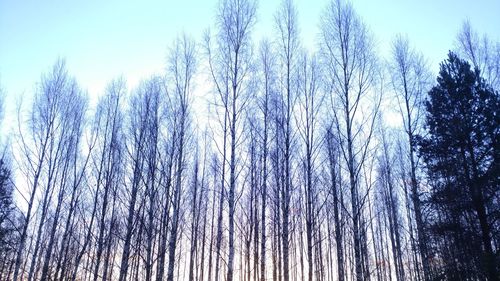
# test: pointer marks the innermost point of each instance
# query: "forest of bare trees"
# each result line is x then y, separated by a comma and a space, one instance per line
285, 169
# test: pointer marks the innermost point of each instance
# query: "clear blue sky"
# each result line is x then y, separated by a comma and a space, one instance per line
102, 40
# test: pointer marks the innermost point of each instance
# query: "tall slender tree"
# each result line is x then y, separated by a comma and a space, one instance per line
310, 101
182, 66
409, 80
230, 65
268, 75
288, 44
347, 51
109, 128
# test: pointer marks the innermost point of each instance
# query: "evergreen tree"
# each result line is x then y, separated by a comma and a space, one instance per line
7, 218
462, 153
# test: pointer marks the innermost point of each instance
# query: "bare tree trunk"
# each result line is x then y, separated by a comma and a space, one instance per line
165, 218
408, 203
201, 275
333, 161
194, 220
232, 180
266, 58
172, 243
309, 108
210, 250
112, 228
203, 203
218, 238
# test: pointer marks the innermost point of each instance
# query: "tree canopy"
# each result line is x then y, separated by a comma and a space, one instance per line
461, 153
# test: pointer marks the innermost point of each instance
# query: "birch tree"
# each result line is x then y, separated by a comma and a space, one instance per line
347, 51
409, 80
142, 132
229, 63
182, 68
42, 145
288, 46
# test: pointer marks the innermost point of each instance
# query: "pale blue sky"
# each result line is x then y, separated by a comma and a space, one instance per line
102, 40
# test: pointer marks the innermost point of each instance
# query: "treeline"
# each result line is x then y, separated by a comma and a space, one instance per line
295, 173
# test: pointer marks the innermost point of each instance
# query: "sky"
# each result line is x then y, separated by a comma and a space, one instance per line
103, 40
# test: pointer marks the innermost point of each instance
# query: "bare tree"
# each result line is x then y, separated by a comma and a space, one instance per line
182, 67
309, 106
143, 133
295, 181
44, 147
71, 174
268, 75
167, 166
347, 51
229, 66
108, 160
288, 43
410, 79
483, 53
389, 201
